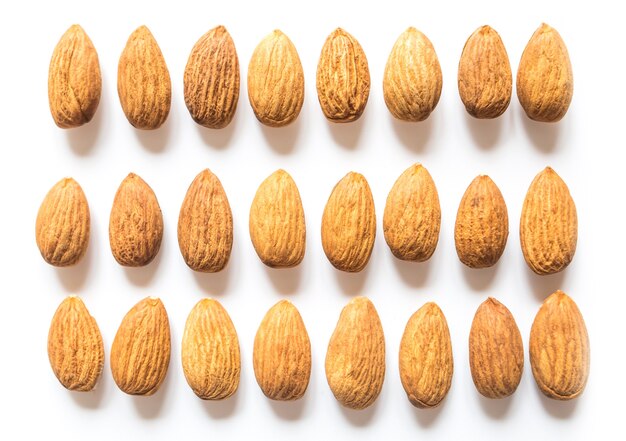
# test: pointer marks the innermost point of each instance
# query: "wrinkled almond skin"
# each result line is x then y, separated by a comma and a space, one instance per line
211, 79
205, 225
482, 224
549, 224
135, 224
496, 350
412, 81
545, 81
75, 346
63, 223
426, 363
140, 353
276, 81
210, 351
74, 79
412, 217
559, 348
282, 353
349, 224
355, 360
143, 81
485, 79
343, 78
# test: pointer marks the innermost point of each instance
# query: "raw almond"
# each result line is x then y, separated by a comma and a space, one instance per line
549, 224
75, 346
277, 226
205, 225
74, 80
63, 222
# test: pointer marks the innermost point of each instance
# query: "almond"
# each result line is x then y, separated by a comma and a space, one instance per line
74, 80
277, 226
412, 80
210, 351
75, 346
282, 353
549, 224
205, 225
62, 228
211, 79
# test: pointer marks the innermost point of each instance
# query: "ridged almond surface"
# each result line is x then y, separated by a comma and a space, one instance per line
355, 360
63, 223
549, 224
74, 80
282, 353
412, 217
205, 225
412, 81
210, 351
426, 363
75, 346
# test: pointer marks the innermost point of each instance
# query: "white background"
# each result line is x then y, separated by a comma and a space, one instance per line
586, 149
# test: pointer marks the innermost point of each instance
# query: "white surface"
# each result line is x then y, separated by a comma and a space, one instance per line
586, 149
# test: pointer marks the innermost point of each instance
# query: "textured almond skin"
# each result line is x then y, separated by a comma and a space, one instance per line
412, 81
143, 81
349, 224
74, 79
343, 78
205, 225
140, 354
210, 351
75, 346
482, 224
276, 81
136, 223
496, 350
426, 363
559, 348
282, 353
211, 79
355, 360
412, 217
277, 226
63, 223
549, 224
545, 81
485, 78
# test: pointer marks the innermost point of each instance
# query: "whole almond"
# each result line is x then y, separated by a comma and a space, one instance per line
355, 360
63, 222
343, 78
205, 225
136, 223
211, 79
277, 226
545, 82
426, 363
496, 350
74, 80
549, 224
140, 354
559, 348
143, 81
482, 224
412, 80
485, 78
282, 353
349, 224
210, 351
75, 346
412, 216
276, 81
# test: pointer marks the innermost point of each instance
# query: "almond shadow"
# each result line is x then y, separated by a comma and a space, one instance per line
415, 136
